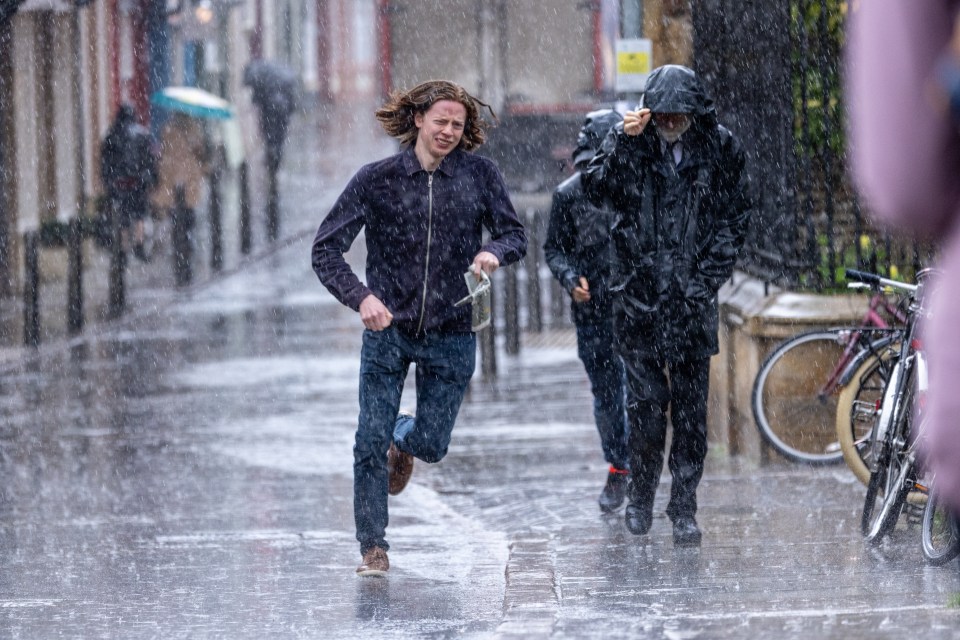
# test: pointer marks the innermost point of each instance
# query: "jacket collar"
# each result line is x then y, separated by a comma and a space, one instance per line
448, 166
694, 152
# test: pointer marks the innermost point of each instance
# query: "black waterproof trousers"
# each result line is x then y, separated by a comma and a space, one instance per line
653, 387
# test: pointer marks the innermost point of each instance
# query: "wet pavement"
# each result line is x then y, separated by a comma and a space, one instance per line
187, 473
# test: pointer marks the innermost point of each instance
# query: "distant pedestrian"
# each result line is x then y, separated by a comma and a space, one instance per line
128, 171
675, 180
423, 212
578, 252
904, 89
274, 89
185, 161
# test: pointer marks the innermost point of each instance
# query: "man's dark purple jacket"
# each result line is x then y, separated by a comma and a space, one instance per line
415, 259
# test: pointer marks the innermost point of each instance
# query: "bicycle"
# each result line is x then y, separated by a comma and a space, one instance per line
859, 400
795, 392
893, 439
940, 530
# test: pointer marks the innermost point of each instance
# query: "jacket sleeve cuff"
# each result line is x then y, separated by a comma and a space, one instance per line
355, 297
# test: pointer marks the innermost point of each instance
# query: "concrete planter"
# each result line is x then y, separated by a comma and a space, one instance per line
753, 320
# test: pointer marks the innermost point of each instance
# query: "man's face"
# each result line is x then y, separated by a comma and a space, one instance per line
441, 128
671, 125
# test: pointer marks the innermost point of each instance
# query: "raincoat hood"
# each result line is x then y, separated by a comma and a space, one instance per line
125, 114
594, 130
674, 88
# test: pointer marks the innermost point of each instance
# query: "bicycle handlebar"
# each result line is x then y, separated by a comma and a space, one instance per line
875, 280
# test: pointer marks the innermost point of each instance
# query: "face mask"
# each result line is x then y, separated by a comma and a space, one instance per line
673, 134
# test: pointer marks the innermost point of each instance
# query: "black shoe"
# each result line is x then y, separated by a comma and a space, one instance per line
639, 519
614, 491
686, 533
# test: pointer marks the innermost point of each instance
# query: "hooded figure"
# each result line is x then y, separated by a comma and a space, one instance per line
127, 163
676, 184
577, 251
128, 171
596, 126
578, 236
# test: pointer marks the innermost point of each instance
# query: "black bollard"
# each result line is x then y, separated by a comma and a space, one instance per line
75, 277
31, 290
273, 207
246, 243
535, 225
216, 221
511, 311
182, 248
118, 265
488, 348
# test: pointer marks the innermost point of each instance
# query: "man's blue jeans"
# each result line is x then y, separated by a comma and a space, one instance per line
607, 382
445, 364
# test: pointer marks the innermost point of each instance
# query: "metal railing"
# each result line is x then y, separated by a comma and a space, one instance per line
808, 224
106, 230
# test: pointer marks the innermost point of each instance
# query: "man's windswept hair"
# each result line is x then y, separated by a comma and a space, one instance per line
397, 115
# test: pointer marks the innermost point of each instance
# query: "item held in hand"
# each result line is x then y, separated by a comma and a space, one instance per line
480, 296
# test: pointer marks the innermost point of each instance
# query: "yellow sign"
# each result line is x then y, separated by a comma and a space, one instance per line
634, 58
633, 62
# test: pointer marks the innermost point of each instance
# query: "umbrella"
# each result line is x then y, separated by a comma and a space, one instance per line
269, 75
193, 102
274, 84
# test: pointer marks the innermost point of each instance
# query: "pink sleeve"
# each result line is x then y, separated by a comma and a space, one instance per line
905, 151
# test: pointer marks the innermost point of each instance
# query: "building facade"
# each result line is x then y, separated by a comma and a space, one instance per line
66, 65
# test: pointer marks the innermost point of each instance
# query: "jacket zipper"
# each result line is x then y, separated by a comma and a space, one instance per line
426, 267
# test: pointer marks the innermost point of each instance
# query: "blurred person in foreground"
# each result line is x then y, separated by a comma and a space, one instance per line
904, 89
423, 212
128, 170
577, 250
676, 183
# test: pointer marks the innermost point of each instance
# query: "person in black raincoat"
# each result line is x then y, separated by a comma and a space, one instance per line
676, 182
128, 170
577, 250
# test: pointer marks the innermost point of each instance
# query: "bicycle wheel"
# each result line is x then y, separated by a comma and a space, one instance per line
792, 411
857, 412
893, 475
886, 494
939, 533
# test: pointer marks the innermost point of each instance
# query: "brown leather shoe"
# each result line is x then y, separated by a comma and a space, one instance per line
399, 468
375, 564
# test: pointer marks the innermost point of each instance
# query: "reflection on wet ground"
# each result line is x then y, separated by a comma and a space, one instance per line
190, 476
